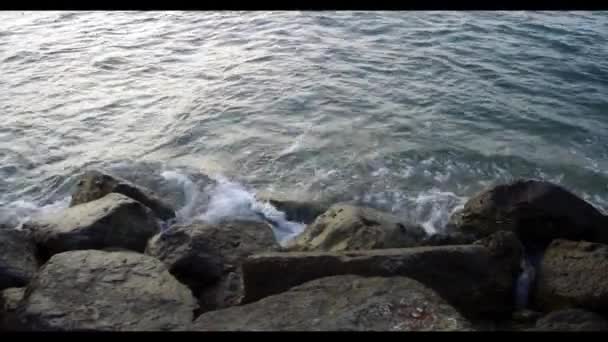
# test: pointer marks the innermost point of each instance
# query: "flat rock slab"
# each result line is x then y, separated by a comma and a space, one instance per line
111, 221
17, 258
345, 303
109, 291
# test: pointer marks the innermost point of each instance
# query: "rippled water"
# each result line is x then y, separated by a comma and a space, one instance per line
406, 111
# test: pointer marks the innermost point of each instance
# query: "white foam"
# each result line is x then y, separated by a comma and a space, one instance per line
191, 194
18, 212
433, 208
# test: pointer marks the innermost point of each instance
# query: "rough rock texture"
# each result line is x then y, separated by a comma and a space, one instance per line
477, 279
17, 259
94, 185
571, 320
9, 300
537, 211
342, 303
346, 227
447, 239
95, 290
208, 257
111, 221
573, 274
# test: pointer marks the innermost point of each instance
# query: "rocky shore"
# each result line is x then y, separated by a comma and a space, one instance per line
528, 255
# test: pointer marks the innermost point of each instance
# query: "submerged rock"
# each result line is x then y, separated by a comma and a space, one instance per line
94, 185
346, 303
477, 279
105, 291
345, 227
571, 320
537, 211
573, 274
18, 262
111, 221
9, 301
208, 257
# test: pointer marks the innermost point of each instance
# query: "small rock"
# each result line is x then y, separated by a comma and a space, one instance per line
9, 300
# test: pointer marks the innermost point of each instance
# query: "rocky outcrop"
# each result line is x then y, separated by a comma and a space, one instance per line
9, 300
208, 257
537, 211
94, 185
342, 303
573, 274
111, 221
477, 279
101, 291
17, 259
571, 320
344, 227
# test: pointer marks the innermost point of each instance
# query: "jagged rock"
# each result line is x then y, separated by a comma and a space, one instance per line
9, 300
207, 257
94, 185
111, 221
346, 227
112, 291
18, 262
346, 303
537, 211
571, 320
573, 274
477, 279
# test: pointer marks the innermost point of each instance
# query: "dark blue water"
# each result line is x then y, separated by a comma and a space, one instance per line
411, 112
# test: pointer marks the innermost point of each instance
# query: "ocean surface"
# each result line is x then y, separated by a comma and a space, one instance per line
409, 112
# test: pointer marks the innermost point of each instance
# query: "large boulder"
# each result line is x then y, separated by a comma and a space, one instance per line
94, 185
346, 303
573, 274
477, 279
111, 221
111, 291
9, 301
208, 257
344, 227
17, 259
537, 211
571, 320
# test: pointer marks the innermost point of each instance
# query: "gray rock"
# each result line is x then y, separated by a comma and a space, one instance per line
9, 300
573, 274
94, 185
17, 258
111, 221
346, 303
346, 227
571, 320
477, 279
208, 257
105, 291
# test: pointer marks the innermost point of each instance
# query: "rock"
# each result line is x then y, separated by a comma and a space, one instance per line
476, 279
345, 227
105, 291
573, 274
17, 259
571, 320
207, 257
537, 211
94, 185
447, 239
111, 221
343, 303
526, 316
296, 211
9, 300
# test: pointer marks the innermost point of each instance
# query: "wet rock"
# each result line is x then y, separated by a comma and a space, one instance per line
447, 239
105, 291
571, 320
346, 303
477, 279
537, 211
111, 221
94, 185
345, 227
18, 262
573, 274
296, 211
9, 300
208, 257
